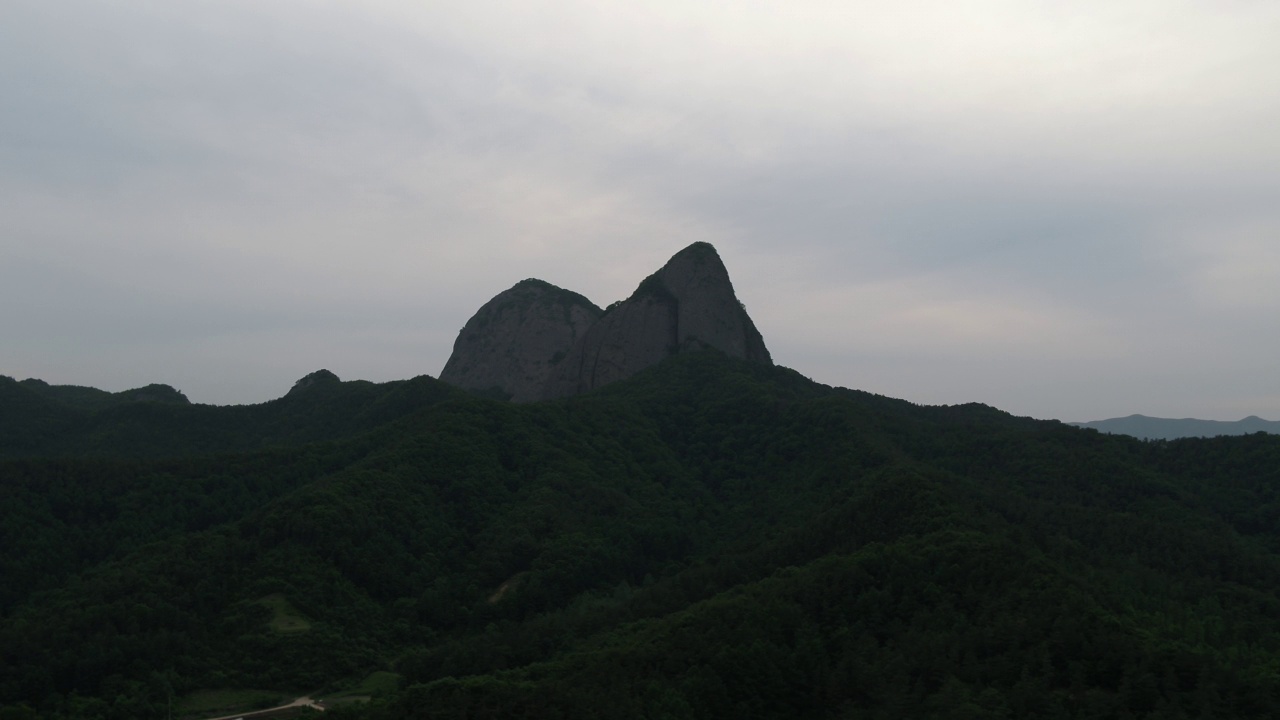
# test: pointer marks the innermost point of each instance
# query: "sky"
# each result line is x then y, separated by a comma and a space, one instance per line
1064, 210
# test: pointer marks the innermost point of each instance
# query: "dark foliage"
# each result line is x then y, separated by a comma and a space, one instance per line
708, 539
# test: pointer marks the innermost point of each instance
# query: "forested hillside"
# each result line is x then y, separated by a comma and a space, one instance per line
41, 420
710, 538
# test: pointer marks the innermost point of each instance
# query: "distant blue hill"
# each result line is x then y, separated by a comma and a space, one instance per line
1150, 428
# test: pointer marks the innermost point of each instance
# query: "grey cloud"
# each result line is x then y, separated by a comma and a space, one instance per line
237, 193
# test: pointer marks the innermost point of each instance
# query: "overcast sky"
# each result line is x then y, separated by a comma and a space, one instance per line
1065, 210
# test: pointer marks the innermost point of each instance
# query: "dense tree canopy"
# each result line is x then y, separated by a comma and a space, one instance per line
708, 539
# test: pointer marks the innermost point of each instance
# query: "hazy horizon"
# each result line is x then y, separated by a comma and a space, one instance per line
1061, 211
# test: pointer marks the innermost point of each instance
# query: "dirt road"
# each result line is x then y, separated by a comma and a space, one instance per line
275, 712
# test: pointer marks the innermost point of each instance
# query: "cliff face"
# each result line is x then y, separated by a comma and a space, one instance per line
632, 336
536, 341
513, 343
687, 305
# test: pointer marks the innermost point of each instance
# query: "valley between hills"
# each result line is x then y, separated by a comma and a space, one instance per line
627, 512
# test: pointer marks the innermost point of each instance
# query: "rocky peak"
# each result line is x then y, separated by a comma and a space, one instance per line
710, 314
510, 347
689, 304
317, 378
537, 341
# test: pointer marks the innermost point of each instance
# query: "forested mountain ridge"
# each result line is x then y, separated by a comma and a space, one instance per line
93, 398
40, 420
709, 538
33, 411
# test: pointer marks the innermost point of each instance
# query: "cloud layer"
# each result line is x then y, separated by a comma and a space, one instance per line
1063, 211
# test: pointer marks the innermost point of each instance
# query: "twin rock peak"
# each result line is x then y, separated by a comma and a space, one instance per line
538, 342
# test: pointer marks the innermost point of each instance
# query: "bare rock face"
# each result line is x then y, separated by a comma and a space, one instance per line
687, 305
512, 344
537, 341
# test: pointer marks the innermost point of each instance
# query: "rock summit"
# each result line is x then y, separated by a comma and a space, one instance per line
537, 341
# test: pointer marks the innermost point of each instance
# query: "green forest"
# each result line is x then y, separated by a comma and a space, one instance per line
708, 539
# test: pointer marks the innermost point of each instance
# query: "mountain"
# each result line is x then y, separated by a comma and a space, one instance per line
35, 414
689, 304
1150, 428
510, 347
41, 420
710, 537
537, 341
703, 534
87, 397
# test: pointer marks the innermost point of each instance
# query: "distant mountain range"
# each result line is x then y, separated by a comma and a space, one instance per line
1152, 428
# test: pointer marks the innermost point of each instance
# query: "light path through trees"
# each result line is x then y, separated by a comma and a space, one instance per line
278, 711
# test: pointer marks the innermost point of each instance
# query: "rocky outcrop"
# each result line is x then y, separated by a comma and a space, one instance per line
319, 378
155, 393
537, 341
512, 345
687, 305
